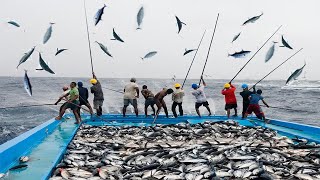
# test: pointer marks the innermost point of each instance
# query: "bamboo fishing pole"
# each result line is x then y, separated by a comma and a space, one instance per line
193, 59
205, 64
255, 54
88, 36
277, 67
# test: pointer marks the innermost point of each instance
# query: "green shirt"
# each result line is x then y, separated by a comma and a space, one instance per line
73, 92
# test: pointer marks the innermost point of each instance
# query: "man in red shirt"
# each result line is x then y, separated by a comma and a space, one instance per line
230, 98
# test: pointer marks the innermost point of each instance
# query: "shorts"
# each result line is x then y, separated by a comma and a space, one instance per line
254, 108
230, 106
200, 104
149, 102
73, 106
97, 104
83, 103
133, 102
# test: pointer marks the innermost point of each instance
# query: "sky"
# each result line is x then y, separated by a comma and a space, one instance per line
299, 20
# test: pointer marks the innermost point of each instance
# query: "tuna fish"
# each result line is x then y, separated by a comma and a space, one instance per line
104, 49
188, 51
14, 23
48, 33
239, 54
140, 16
285, 43
295, 74
149, 54
236, 37
20, 166
26, 56
179, 23
270, 52
27, 84
60, 51
116, 36
44, 65
252, 20
98, 15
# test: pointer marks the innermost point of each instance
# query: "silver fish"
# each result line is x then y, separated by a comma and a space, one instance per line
140, 17
252, 20
27, 84
179, 23
188, 51
116, 36
295, 74
48, 33
104, 49
44, 65
149, 55
98, 15
14, 23
270, 52
285, 43
240, 54
60, 51
236, 37
26, 56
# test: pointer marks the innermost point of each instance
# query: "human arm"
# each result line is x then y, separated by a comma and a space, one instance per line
204, 83
94, 76
137, 90
87, 93
74, 98
61, 97
254, 89
265, 103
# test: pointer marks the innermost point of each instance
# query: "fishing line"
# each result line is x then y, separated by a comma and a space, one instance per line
88, 36
205, 64
25, 106
255, 53
193, 59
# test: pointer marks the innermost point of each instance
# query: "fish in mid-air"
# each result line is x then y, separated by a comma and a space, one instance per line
236, 37
240, 54
149, 54
285, 43
270, 52
44, 65
116, 36
14, 23
187, 51
252, 20
98, 15
104, 49
140, 16
27, 84
179, 23
26, 56
48, 33
59, 51
295, 74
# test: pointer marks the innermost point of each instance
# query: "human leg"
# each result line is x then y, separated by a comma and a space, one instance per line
180, 109
135, 106
173, 108
165, 108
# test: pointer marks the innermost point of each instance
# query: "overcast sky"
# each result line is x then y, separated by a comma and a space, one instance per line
159, 33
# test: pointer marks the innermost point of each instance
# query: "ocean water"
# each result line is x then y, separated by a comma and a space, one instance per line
299, 101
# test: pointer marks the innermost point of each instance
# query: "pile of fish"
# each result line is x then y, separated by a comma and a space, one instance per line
211, 150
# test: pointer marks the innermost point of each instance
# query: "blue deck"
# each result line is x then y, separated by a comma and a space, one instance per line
46, 144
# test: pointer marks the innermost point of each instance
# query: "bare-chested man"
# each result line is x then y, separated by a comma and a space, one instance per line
160, 102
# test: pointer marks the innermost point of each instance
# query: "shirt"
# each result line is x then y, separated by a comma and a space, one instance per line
177, 95
245, 95
64, 93
73, 92
255, 98
96, 90
229, 96
130, 91
199, 94
84, 94
147, 93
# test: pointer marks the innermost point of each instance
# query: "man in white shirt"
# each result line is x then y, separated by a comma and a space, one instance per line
177, 98
131, 93
200, 97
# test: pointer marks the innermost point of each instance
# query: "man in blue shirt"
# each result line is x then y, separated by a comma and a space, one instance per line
255, 107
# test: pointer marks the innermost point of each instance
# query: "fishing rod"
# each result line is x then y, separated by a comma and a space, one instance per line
25, 106
193, 59
289, 109
88, 36
113, 90
255, 53
277, 67
205, 64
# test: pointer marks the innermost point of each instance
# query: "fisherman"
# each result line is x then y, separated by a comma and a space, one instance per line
255, 107
177, 98
245, 95
149, 96
201, 99
63, 97
160, 102
230, 98
98, 98
131, 93
84, 95
72, 103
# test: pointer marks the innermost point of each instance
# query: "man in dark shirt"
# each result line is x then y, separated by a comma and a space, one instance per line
98, 98
83, 97
245, 95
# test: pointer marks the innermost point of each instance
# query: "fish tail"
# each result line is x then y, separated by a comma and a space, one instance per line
138, 28
142, 58
183, 23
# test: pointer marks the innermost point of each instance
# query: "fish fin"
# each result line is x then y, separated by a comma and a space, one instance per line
138, 28
142, 58
113, 39
57, 49
39, 69
183, 23
281, 46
